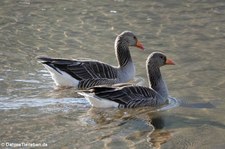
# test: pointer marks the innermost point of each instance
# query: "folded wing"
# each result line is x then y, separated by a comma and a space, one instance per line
81, 69
128, 97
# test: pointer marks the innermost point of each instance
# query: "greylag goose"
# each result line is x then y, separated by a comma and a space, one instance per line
83, 74
134, 96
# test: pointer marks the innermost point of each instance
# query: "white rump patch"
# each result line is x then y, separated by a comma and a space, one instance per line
99, 102
63, 79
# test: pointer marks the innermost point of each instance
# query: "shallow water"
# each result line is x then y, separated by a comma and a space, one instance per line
190, 32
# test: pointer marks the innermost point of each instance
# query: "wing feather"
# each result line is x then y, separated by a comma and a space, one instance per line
82, 69
87, 83
129, 96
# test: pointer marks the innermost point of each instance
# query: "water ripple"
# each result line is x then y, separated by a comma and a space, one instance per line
28, 81
23, 103
173, 103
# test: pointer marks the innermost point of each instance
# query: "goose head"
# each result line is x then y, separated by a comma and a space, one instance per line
127, 38
154, 62
158, 59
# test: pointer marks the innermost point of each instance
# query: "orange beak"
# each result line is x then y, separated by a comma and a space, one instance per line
140, 45
169, 62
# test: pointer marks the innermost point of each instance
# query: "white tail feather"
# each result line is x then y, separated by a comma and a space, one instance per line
63, 79
99, 102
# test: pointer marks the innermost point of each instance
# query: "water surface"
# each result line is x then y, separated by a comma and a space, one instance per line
191, 32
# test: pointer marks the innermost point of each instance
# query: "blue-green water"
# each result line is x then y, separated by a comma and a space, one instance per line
190, 32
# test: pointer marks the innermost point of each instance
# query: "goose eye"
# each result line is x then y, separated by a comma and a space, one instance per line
135, 38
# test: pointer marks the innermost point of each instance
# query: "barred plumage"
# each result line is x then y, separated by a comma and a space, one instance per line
131, 96
87, 72
84, 84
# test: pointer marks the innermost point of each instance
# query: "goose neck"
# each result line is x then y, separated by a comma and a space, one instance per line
156, 81
122, 52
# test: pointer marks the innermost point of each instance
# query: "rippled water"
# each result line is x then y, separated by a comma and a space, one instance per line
191, 32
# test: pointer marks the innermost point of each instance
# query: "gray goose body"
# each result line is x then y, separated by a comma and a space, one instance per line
83, 74
134, 96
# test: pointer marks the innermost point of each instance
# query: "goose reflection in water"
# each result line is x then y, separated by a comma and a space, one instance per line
134, 127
